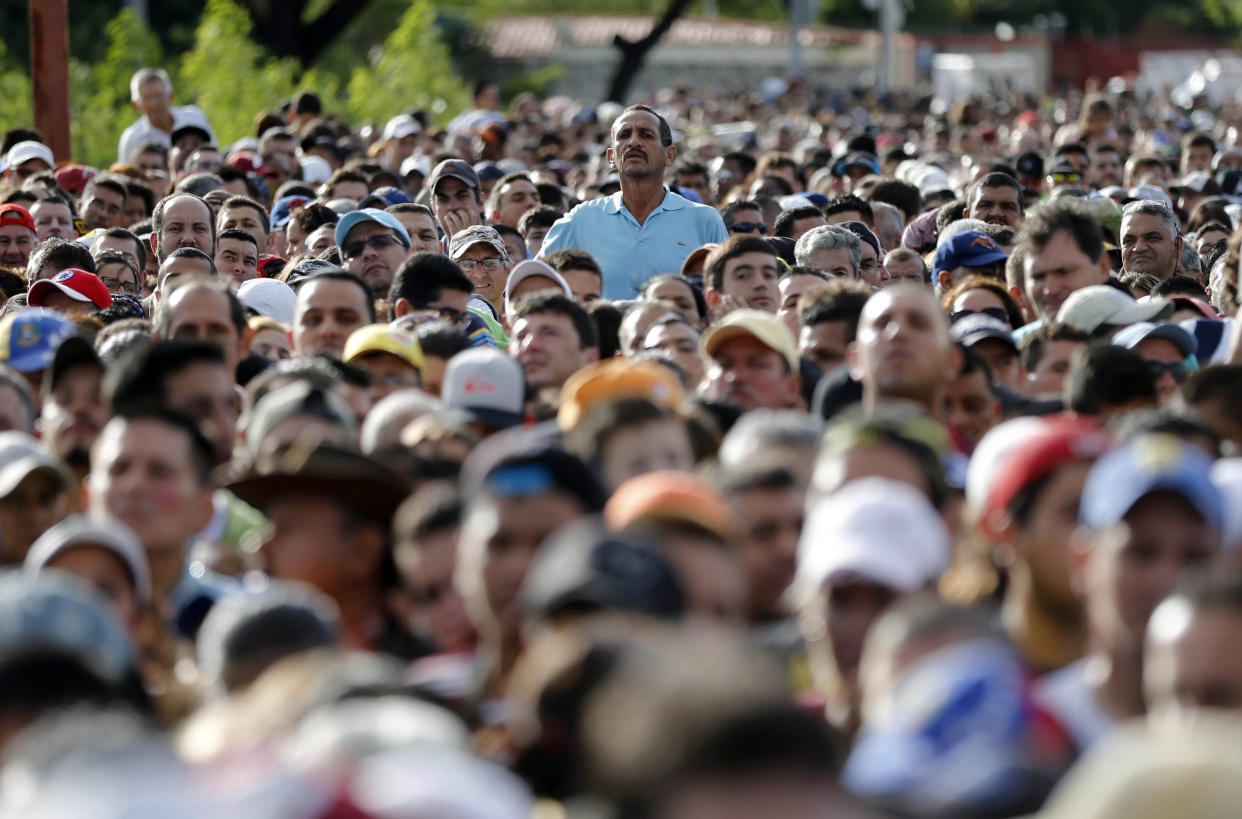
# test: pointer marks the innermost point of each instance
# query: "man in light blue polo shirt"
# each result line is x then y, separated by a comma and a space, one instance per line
644, 229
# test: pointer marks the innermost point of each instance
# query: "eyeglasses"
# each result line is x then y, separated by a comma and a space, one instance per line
114, 284
1177, 369
748, 227
379, 241
488, 264
1065, 178
997, 313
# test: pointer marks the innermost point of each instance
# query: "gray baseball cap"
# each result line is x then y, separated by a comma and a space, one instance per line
458, 169
463, 240
109, 534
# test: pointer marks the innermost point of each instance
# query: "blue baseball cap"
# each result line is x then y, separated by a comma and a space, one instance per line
28, 339
970, 248
356, 217
384, 197
1150, 463
284, 208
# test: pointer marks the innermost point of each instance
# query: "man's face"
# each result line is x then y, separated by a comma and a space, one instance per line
869, 268
103, 207
970, 407
422, 230
791, 289
126, 247
487, 270
997, 206
243, 218
326, 312
14, 414
836, 262
73, 414
751, 280
204, 314
748, 375
841, 217
101, 568
1042, 542
586, 285
154, 99
350, 189
1197, 158
773, 523
547, 347
319, 239
699, 183
678, 293
375, 265
850, 609
238, 259
909, 270
748, 221
637, 449
1147, 246
183, 266
1192, 661
514, 199
1164, 354
499, 539
1056, 270
34, 506
29, 168
1048, 377
801, 226
902, 349
427, 578
1133, 565
681, 343
203, 392
53, 218
272, 344
310, 543
187, 223
389, 373
534, 240
456, 203
16, 242
636, 151
142, 472
1002, 360
826, 343
1105, 169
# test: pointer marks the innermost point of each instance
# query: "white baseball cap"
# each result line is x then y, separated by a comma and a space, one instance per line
1090, 308
27, 150
401, 126
269, 297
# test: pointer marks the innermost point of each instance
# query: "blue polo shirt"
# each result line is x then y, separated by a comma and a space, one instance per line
630, 253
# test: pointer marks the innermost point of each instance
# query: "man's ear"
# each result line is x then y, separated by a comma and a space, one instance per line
671, 153
945, 280
402, 307
712, 296
611, 156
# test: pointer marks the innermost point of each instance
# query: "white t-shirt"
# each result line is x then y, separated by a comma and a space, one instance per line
1065, 694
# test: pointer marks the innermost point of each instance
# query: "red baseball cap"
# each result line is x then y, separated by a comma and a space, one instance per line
11, 214
1063, 440
248, 161
78, 285
73, 178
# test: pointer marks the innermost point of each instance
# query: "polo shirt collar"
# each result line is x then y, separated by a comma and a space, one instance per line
671, 202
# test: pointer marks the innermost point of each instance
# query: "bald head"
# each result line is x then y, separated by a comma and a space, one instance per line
903, 350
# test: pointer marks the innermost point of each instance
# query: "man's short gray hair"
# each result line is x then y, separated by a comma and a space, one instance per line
757, 430
145, 75
958, 226
828, 237
1151, 207
1192, 265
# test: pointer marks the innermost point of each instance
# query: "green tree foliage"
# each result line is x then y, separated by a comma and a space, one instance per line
15, 92
412, 69
230, 76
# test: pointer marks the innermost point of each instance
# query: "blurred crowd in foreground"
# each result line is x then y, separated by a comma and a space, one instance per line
793, 453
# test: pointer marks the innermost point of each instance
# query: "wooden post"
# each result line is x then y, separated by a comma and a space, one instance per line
49, 71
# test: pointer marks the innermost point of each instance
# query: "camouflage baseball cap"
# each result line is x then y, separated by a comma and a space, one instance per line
463, 240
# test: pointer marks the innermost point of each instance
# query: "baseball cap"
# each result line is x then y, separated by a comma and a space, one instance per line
671, 497
1149, 463
858, 159
1137, 333
12, 215
380, 338
1029, 166
356, 217
401, 126
697, 255
1200, 182
73, 352
283, 209
270, 265
990, 455
27, 150
465, 239
488, 171
293, 400
20, 456
1097, 305
1065, 169
78, 285
519, 463
875, 530
617, 378
458, 169
1055, 442
109, 534
248, 161
585, 567
418, 163
487, 386
1143, 192
268, 297
976, 327
191, 120
315, 169
28, 339
1107, 212
73, 178
384, 197
527, 268
864, 233
970, 248
762, 326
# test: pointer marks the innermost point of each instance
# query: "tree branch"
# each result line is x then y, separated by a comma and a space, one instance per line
634, 52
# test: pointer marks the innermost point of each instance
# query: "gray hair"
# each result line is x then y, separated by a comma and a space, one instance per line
958, 226
757, 430
828, 237
391, 414
882, 211
1151, 207
1192, 265
145, 75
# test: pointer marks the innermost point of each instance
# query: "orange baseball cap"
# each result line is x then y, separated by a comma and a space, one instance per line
671, 497
617, 378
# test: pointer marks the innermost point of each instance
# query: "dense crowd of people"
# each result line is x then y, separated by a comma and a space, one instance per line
788, 453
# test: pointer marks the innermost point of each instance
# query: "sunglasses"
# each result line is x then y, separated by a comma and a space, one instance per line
1177, 369
997, 313
748, 227
380, 241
